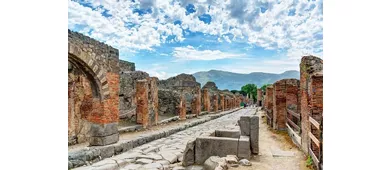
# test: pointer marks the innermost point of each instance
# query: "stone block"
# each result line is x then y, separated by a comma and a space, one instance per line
107, 151
227, 133
244, 150
244, 123
101, 141
214, 146
254, 134
99, 130
189, 153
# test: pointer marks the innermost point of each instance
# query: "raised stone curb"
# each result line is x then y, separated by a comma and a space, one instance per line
93, 154
130, 128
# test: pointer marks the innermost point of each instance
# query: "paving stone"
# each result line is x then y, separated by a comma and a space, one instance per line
178, 168
195, 167
163, 162
151, 149
132, 167
154, 166
143, 161
152, 156
169, 156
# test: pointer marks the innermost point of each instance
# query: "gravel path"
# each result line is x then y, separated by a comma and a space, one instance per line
166, 153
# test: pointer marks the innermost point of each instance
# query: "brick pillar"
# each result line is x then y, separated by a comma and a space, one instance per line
269, 103
182, 108
199, 101
308, 65
259, 97
279, 105
215, 99
292, 99
142, 102
316, 107
206, 100
153, 102
222, 102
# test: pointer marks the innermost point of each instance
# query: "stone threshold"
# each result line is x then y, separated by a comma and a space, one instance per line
92, 154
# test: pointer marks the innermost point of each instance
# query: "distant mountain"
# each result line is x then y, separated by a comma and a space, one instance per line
234, 81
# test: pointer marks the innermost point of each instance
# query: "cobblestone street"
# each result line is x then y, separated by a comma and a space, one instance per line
166, 153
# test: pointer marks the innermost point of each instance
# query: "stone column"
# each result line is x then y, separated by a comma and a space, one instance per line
182, 108
142, 102
279, 105
215, 97
308, 65
206, 100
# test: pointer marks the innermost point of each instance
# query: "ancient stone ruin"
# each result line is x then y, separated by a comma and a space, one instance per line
108, 97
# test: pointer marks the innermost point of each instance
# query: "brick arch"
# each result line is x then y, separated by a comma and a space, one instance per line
82, 59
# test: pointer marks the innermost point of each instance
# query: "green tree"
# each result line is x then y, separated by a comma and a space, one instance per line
250, 89
265, 86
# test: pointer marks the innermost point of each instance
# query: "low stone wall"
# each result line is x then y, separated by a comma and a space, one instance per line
241, 142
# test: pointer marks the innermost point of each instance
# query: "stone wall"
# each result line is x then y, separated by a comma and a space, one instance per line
93, 88
308, 66
125, 66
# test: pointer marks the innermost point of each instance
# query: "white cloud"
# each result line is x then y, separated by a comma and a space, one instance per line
274, 29
190, 53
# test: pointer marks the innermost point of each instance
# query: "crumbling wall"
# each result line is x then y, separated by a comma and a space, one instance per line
168, 100
127, 100
93, 89
185, 85
308, 66
259, 97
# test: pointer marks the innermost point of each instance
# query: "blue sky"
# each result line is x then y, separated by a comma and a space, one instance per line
169, 37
